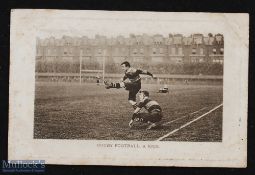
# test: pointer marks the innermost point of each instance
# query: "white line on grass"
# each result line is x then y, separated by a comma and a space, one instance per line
174, 131
183, 116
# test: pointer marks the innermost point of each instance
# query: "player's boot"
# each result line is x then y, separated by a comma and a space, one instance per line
111, 85
131, 123
107, 85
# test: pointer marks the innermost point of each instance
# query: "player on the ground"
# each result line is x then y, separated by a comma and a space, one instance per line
131, 81
154, 111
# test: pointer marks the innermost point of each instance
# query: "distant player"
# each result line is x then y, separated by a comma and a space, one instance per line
154, 111
131, 81
98, 79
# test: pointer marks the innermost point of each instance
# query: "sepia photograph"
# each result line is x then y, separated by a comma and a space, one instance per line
135, 87
129, 88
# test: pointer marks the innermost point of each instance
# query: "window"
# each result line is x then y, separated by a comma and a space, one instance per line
194, 51
135, 51
141, 50
221, 51
65, 51
99, 51
161, 50
218, 38
201, 51
154, 50
180, 50
81, 52
173, 50
51, 42
70, 51
214, 51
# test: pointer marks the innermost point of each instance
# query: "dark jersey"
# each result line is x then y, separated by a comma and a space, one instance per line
149, 105
133, 75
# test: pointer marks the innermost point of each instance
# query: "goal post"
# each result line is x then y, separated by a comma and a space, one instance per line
97, 71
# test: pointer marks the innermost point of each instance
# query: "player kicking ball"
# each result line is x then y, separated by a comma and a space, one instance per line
154, 111
131, 81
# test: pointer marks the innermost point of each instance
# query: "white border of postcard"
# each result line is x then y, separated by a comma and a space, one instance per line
27, 24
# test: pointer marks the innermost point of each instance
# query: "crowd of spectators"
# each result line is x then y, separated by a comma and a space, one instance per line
164, 68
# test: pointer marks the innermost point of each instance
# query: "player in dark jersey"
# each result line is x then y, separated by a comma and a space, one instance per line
154, 111
131, 81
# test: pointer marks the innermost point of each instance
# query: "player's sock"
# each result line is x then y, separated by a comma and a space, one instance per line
115, 85
111, 85
131, 123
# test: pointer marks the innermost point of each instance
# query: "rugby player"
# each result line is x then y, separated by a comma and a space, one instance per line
131, 81
153, 114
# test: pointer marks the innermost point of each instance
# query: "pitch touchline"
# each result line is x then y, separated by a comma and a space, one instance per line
174, 131
183, 116
198, 110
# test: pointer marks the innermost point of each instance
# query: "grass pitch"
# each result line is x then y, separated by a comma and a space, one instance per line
91, 112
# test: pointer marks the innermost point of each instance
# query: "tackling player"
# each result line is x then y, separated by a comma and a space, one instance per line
131, 81
154, 111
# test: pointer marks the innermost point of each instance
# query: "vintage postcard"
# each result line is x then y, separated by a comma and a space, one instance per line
129, 88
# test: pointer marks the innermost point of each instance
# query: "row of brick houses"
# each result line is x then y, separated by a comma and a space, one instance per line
176, 49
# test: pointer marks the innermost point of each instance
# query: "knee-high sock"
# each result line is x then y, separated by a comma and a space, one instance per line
134, 105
